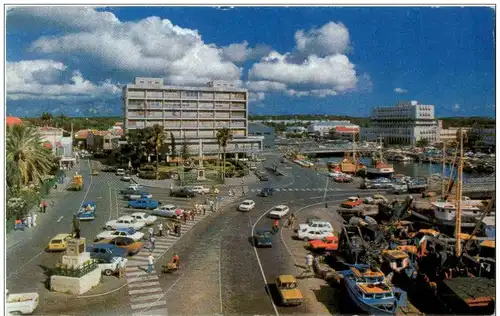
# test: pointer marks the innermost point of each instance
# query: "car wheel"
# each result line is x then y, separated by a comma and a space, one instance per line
306, 239
108, 272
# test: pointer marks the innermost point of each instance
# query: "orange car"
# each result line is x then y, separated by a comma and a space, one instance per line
352, 202
329, 243
126, 243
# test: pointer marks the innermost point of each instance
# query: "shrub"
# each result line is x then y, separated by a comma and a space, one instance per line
147, 168
147, 175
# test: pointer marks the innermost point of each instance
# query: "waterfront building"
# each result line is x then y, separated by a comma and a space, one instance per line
267, 132
449, 134
192, 114
405, 123
323, 128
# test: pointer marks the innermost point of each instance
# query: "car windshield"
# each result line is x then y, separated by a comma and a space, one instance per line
265, 234
56, 241
246, 203
288, 285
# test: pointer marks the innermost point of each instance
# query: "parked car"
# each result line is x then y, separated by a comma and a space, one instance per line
246, 206
110, 266
352, 202
109, 169
279, 211
199, 189
317, 225
132, 246
95, 172
143, 217
289, 291
126, 177
22, 303
139, 195
183, 192
312, 234
330, 243
168, 210
131, 190
266, 192
123, 223
144, 204
120, 172
105, 251
262, 238
123, 232
59, 242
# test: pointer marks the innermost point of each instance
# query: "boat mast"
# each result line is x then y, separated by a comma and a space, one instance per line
354, 151
444, 167
458, 212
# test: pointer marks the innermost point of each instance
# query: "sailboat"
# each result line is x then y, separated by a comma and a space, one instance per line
380, 167
349, 164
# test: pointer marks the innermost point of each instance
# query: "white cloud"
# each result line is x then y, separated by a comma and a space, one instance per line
151, 46
331, 38
240, 52
256, 96
456, 107
265, 85
38, 79
400, 90
317, 67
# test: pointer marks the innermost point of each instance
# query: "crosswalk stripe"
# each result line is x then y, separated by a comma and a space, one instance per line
147, 297
308, 189
149, 277
151, 304
136, 273
151, 312
161, 242
143, 284
131, 269
277, 190
144, 291
302, 189
144, 259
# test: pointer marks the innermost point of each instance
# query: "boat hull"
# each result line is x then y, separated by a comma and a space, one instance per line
433, 220
380, 172
370, 309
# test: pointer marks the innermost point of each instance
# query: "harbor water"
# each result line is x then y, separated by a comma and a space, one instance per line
412, 169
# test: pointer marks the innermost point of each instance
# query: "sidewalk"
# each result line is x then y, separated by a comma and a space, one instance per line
15, 237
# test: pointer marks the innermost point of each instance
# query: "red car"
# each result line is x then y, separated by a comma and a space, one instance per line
352, 202
330, 243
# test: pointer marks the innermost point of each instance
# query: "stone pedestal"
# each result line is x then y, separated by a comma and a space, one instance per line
201, 174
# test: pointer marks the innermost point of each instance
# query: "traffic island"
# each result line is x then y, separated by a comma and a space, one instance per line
77, 273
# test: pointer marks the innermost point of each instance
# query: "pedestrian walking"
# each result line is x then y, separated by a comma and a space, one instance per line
121, 269
192, 215
153, 241
150, 262
204, 209
29, 220
23, 223
151, 232
17, 223
185, 217
179, 229
44, 206
309, 264
160, 229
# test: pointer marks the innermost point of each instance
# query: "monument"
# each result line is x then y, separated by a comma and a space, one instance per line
201, 170
77, 273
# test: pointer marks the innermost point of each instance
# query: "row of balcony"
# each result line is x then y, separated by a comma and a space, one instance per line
187, 94
187, 108
184, 117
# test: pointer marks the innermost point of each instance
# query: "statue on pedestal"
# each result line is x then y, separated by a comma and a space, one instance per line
76, 227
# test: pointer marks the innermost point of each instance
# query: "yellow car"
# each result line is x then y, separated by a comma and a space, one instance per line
289, 290
59, 242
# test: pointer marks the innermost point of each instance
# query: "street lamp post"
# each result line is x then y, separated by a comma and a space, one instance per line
326, 189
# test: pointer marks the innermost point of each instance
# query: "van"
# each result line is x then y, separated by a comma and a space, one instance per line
120, 172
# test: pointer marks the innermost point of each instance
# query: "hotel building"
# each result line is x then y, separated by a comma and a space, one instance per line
405, 123
191, 114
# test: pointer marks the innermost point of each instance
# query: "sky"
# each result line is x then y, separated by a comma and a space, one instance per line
293, 60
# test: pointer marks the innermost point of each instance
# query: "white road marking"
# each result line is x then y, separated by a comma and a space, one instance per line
144, 291
14, 273
59, 219
148, 305
146, 298
149, 277
150, 283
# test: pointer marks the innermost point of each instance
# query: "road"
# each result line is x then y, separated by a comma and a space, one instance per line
221, 272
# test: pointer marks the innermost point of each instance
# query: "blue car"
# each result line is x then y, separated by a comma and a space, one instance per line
266, 192
87, 211
144, 204
106, 251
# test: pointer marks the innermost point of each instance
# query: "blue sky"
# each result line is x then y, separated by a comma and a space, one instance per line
319, 60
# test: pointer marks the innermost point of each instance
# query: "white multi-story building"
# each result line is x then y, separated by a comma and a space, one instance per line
323, 128
193, 114
405, 123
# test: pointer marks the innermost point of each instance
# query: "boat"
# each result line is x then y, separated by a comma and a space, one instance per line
402, 158
380, 168
445, 212
368, 289
86, 211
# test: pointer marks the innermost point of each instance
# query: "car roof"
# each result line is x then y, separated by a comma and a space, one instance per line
109, 246
169, 206
139, 213
352, 198
280, 206
261, 231
124, 229
287, 278
247, 201
122, 238
61, 236
125, 217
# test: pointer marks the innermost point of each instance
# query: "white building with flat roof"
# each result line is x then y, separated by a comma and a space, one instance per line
405, 123
323, 128
191, 113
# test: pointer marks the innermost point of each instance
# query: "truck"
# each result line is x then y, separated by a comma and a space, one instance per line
77, 182
23, 303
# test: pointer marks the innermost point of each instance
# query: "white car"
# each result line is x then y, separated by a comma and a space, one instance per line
317, 225
21, 304
246, 206
310, 234
135, 186
279, 211
126, 178
168, 210
128, 232
124, 222
111, 267
200, 189
143, 217
120, 172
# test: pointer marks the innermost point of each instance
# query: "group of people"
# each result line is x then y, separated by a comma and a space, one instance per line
26, 221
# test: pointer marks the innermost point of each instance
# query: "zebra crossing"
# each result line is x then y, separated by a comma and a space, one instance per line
144, 289
300, 189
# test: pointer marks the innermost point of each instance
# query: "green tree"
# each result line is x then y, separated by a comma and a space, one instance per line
25, 153
422, 142
157, 138
184, 150
46, 118
173, 144
223, 137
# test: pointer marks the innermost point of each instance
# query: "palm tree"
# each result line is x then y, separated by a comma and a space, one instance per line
223, 137
157, 138
25, 152
46, 117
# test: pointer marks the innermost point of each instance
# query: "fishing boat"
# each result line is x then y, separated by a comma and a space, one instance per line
379, 167
369, 290
445, 212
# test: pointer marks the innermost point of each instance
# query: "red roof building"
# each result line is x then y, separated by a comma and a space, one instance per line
12, 120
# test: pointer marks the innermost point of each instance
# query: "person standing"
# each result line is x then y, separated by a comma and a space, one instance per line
29, 220
151, 232
153, 241
121, 269
185, 217
160, 229
192, 216
150, 262
179, 229
309, 262
34, 219
44, 206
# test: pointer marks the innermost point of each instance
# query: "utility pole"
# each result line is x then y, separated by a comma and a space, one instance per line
458, 211
326, 189
444, 167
